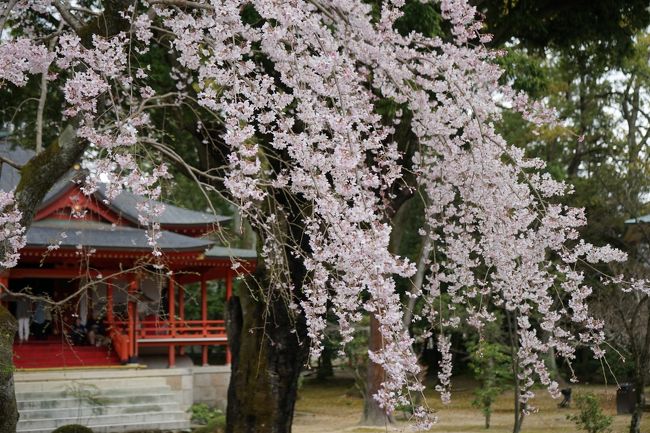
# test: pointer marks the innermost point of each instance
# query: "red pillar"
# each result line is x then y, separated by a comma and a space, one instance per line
228, 285
172, 322
181, 312
228, 295
109, 301
204, 304
133, 317
204, 318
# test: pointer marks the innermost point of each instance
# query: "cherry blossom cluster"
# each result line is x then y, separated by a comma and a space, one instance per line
12, 234
20, 58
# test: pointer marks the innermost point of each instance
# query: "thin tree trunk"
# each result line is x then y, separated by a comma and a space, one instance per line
640, 379
43, 96
418, 280
372, 413
519, 409
8, 407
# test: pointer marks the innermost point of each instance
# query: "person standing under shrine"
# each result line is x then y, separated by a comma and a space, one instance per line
22, 314
39, 320
78, 333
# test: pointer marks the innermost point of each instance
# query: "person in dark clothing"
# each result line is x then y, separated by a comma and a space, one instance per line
39, 320
78, 334
93, 329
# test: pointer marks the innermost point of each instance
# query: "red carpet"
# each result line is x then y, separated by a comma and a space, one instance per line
53, 354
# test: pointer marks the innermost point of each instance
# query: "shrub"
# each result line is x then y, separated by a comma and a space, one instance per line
491, 365
204, 414
590, 417
73, 428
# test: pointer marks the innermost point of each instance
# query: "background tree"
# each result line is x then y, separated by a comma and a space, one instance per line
490, 362
603, 101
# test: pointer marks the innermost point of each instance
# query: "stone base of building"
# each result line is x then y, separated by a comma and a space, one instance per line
117, 399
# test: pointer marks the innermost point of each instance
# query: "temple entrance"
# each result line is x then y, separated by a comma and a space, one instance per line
68, 335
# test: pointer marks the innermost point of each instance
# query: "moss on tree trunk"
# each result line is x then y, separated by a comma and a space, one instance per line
8, 407
37, 178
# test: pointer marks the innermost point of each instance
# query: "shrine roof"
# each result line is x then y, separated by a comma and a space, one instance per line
218, 252
102, 236
124, 204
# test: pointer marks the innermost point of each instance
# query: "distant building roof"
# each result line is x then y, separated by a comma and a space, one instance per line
225, 252
641, 219
71, 233
124, 204
89, 234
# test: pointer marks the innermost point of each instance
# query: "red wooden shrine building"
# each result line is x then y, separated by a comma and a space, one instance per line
93, 253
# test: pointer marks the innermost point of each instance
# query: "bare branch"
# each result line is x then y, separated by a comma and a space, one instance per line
5, 160
6, 10
41, 100
182, 3
67, 16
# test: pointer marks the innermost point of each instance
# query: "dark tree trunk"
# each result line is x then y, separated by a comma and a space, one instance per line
640, 373
325, 368
639, 391
514, 343
8, 409
269, 349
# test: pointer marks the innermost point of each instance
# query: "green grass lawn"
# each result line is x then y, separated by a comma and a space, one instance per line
334, 406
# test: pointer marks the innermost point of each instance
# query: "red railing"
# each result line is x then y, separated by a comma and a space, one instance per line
150, 332
186, 329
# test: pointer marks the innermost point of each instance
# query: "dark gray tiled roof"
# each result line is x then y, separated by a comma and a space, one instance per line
105, 236
225, 252
124, 204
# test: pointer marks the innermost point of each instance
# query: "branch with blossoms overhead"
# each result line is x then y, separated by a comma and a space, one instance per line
307, 128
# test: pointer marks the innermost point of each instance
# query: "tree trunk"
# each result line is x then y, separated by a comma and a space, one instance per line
8, 407
269, 348
372, 413
325, 368
639, 391
514, 343
37, 178
519, 412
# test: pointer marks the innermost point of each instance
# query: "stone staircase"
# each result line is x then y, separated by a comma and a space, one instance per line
106, 406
